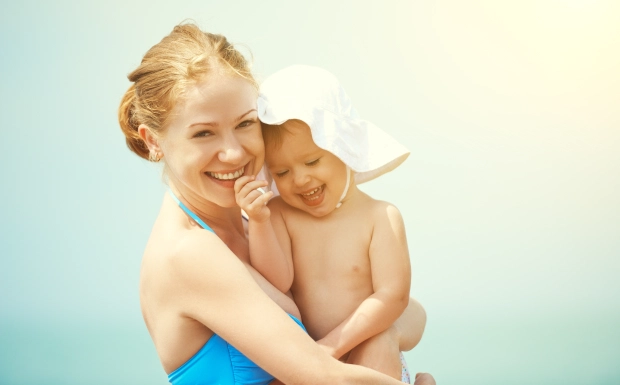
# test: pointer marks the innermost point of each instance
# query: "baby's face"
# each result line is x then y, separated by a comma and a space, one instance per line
308, 177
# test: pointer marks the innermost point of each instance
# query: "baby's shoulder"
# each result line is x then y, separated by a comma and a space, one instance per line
283, 210
382, 214
277, 205
380, 208
387, 221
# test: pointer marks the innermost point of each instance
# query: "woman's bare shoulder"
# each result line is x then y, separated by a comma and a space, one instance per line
179, 251
196, 253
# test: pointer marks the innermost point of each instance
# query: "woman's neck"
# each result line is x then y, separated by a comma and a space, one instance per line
223, 220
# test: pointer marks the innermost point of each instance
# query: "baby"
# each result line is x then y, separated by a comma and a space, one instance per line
341, 253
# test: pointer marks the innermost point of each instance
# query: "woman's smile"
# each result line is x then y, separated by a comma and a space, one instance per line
226, 178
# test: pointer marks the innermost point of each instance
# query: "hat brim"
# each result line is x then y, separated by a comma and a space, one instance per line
369, 151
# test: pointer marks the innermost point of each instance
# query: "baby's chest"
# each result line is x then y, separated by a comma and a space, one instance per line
341, 247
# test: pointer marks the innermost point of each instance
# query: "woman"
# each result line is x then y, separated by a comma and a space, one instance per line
192, 104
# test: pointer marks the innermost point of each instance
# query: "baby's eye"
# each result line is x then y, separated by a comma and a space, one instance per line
280, 174
313, 162
246, 123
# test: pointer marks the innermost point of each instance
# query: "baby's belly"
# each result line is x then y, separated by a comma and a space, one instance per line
324, 305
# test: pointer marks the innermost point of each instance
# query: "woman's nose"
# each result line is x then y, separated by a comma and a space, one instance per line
231, 150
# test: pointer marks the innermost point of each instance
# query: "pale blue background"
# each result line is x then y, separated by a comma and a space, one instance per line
511, 195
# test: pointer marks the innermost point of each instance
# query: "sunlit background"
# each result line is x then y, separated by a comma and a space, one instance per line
511, 196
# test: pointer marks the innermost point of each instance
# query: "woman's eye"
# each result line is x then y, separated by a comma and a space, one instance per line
313, 162
281, 173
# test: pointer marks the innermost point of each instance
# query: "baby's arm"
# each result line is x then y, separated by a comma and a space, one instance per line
391, 279
266, 251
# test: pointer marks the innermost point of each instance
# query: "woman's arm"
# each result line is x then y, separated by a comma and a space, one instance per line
267, 253
391, 279
217, 290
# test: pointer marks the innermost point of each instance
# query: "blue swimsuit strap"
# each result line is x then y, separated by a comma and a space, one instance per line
190, 213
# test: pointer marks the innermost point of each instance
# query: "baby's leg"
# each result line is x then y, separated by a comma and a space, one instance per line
380, 352
410, 325
424, 379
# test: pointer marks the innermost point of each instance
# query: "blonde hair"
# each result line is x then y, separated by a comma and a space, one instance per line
181, 59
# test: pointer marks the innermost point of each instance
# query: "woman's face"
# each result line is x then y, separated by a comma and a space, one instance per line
213, 138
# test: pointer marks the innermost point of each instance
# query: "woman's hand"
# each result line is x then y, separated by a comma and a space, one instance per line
252, 200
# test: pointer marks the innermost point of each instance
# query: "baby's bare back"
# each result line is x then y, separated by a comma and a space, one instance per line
332, 265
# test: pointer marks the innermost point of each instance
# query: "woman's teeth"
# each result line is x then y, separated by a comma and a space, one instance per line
229, 176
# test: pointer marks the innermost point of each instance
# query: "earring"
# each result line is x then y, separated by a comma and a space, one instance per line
155, 156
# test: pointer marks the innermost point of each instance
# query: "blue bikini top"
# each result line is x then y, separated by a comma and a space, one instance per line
191, 213
218, 362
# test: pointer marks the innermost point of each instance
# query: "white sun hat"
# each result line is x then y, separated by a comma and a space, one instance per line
315, 96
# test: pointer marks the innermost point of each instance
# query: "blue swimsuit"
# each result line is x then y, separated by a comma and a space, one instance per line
218, 362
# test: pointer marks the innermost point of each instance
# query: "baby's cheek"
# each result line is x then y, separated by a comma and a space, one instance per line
286, 195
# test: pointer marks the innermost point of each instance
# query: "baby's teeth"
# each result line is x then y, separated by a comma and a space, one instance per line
312, 192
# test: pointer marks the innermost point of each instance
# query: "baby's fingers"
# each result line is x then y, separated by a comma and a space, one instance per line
242, 182
263, 198
258, 210
251, 186
256, 199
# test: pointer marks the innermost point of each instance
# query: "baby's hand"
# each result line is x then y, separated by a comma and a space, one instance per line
252, 200
327, 348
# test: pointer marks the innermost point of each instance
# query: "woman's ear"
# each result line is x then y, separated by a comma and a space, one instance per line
149, 138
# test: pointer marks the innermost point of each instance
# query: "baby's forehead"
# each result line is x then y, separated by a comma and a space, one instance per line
292, 135
295, 124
